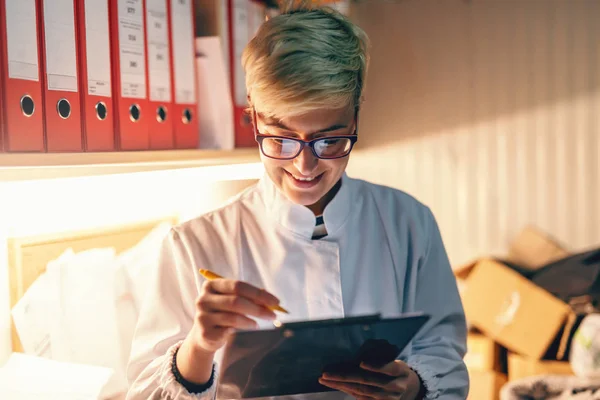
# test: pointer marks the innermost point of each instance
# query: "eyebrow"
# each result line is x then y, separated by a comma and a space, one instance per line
278, 124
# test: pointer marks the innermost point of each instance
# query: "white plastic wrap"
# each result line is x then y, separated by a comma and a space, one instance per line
585, 349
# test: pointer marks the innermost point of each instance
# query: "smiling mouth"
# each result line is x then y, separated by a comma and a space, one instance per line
305, 181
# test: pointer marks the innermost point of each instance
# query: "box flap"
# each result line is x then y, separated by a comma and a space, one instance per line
463, 271
534, 249
507, 308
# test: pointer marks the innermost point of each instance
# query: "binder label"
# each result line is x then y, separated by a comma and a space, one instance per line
183, 51
59, 35
132, 51
224, 33
97, 36
247, 17
159, 66
21, 37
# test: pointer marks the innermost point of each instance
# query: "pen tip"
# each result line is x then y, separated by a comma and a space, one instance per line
283, 310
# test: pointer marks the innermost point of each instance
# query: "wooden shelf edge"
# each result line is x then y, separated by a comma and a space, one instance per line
29, 166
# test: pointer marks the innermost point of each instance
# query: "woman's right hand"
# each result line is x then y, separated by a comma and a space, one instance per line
223, 306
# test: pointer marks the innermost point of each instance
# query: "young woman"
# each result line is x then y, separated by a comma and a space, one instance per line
306, 236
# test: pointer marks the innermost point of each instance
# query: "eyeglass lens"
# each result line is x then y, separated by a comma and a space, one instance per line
288, 148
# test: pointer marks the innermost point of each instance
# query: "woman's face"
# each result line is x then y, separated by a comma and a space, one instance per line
306, 179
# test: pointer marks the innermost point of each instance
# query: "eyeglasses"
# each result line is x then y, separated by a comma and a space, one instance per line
286, 148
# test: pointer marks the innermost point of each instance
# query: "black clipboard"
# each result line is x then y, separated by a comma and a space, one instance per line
289, 359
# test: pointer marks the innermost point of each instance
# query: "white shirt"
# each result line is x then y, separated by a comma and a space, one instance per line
383, 254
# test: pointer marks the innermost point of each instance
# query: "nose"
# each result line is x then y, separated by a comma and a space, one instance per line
306, 162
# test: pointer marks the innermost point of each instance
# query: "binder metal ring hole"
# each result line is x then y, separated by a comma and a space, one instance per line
288, 333
187, 116
134, 113
27, 105
101, 111
63, 107
161, 114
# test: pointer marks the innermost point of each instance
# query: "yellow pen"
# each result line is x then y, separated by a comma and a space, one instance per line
211, 276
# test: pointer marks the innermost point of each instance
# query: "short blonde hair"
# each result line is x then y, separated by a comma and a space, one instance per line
305, 59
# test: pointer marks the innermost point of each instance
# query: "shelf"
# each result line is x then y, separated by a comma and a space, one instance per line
28, 166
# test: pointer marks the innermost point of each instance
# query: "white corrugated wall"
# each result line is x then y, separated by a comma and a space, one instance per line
488, 112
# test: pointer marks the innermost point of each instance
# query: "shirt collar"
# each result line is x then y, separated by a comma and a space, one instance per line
300, 219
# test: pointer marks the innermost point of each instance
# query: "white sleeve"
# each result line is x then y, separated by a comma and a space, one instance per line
165, 319
439, 348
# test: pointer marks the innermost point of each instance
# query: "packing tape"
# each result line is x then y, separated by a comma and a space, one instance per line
509, 309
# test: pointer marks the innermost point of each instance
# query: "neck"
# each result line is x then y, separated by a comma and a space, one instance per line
319, 207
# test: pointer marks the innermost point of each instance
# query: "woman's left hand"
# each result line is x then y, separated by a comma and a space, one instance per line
395, 380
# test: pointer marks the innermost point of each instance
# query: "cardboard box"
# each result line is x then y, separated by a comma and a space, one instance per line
522, 367
533, 249
485, 385
483, 354
510, 309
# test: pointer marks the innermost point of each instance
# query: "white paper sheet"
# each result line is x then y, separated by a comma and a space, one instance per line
31, 316
27, 377
33, 313
84, 308
131, 282
138, 260
215, 107
86, 329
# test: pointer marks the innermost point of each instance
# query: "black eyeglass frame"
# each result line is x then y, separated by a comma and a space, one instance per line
259, 137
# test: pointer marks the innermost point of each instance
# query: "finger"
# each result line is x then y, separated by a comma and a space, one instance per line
226, 320
360, 377
235, 304
338, 386
360, 390
229, 286
396, 368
